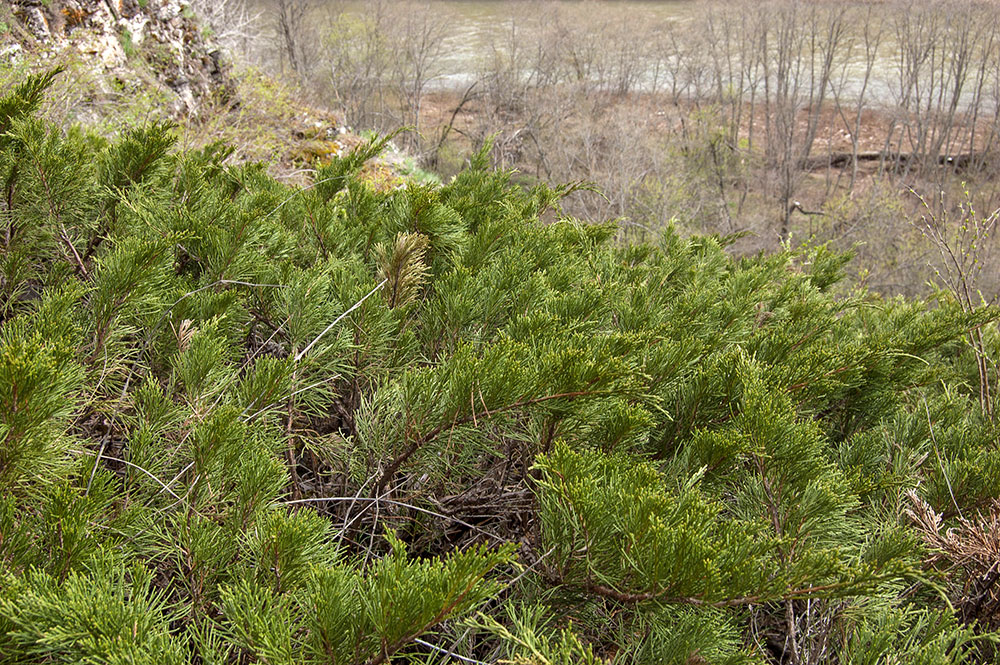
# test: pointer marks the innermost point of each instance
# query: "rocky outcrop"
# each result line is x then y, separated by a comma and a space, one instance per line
131, 45
110, 34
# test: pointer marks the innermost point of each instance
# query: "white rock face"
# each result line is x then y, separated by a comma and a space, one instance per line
108, 33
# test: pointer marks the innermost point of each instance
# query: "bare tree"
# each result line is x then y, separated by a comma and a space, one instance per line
235, 26
851, 102
291, 16
419, 35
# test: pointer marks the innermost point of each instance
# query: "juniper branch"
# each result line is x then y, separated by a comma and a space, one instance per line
353, 307
417, 443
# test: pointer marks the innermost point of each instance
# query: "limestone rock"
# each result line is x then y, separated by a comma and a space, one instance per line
109, 33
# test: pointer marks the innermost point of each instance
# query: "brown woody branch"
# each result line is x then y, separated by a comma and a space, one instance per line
646, 596
472, 417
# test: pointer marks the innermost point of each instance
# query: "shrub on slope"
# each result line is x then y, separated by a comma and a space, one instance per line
242, 422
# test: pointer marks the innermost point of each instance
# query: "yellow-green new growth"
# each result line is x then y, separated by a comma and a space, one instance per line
402, 266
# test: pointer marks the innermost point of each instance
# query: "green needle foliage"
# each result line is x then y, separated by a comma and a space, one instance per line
245, 422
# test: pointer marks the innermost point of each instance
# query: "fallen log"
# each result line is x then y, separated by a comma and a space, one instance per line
959, 161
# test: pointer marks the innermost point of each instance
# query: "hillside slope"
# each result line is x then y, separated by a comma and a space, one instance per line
133, 62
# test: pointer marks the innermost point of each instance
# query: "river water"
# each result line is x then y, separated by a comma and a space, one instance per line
474, 27
670, 39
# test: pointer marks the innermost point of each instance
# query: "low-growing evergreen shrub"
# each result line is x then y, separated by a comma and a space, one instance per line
244, 422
